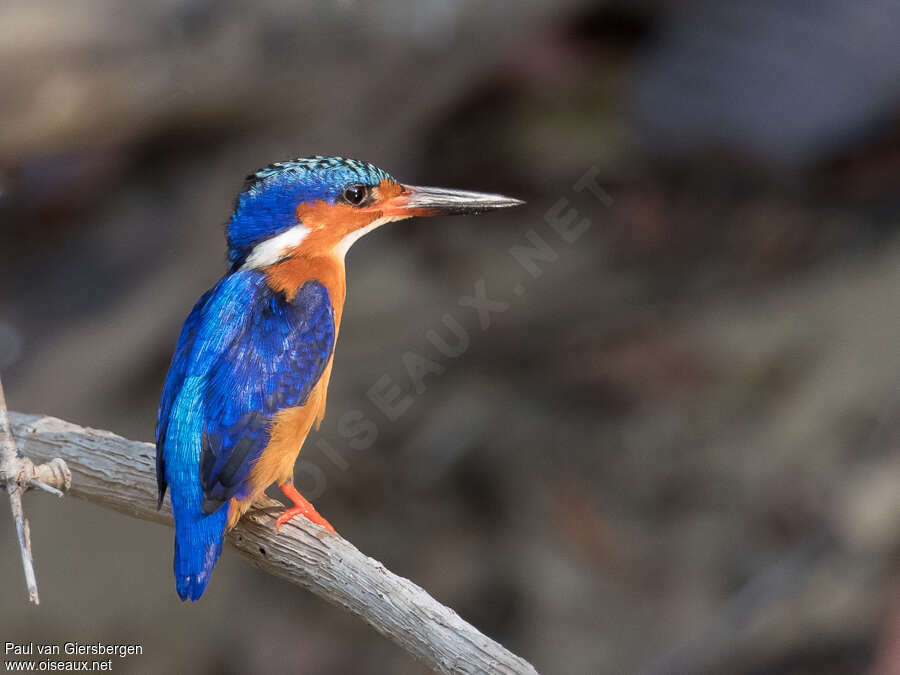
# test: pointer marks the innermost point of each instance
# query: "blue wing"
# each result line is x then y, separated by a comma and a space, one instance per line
256, 354
272, 363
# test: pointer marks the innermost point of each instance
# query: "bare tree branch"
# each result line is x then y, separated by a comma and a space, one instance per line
116, 472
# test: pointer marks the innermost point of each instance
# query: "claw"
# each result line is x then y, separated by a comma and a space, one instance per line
301, 507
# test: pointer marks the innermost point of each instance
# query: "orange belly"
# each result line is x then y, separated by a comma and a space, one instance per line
290, 428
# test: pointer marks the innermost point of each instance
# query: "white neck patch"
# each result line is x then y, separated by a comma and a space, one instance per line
272, 250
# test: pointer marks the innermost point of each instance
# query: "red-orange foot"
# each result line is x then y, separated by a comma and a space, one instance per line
301, 507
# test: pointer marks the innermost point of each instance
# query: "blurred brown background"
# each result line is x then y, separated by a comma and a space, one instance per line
675, 452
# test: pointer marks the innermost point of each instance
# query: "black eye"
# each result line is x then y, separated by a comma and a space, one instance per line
355, 194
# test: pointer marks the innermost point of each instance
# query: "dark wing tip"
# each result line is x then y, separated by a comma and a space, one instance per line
211, 505
161, 484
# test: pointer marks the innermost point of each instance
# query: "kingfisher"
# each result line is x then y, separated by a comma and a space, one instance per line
250, 372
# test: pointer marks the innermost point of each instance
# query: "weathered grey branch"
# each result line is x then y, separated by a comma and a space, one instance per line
17, 474
116, 472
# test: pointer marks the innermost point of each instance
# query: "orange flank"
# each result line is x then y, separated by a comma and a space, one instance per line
301, 507
276, 463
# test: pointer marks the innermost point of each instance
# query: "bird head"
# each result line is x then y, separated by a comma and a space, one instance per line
322, 205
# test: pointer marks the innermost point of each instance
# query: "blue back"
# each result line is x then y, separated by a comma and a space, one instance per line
244, 354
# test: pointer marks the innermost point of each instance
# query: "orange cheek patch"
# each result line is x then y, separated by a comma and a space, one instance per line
328, 224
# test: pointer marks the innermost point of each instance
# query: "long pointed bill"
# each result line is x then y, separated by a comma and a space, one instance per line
432, 201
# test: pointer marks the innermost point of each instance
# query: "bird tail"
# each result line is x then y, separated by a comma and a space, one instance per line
198, 545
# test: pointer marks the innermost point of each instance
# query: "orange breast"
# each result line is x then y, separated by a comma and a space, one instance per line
289, 275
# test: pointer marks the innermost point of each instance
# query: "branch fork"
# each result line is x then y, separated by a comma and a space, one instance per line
18, 474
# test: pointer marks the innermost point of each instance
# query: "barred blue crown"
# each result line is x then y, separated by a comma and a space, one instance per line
271, 195
336, 169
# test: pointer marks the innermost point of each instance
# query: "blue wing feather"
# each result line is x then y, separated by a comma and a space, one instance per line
174, 381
